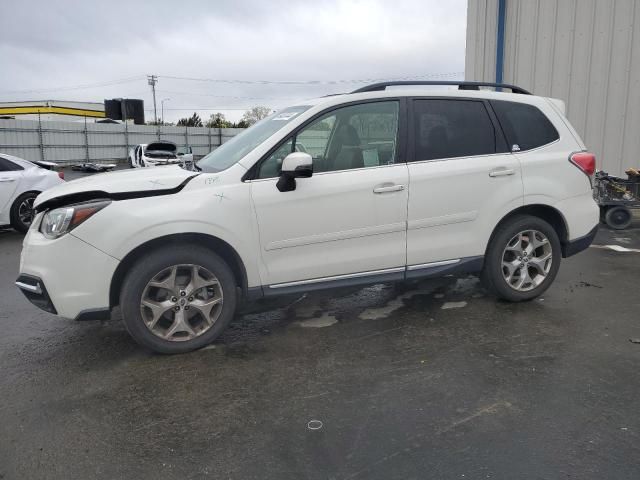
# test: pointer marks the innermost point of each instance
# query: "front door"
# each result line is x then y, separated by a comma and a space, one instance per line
348, 220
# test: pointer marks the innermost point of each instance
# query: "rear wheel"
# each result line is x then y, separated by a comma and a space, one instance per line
618, 217
22, 211
176, 300
522, 259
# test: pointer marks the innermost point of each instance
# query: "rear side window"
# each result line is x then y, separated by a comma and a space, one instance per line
452, 128
8, 166
525, 126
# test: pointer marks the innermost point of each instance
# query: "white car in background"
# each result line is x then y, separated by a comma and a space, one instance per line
20, 183
160, 153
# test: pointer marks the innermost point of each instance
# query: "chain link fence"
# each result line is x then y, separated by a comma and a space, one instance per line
72, 142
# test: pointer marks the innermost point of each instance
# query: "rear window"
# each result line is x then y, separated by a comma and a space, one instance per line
525, 126
452, 128
8, 166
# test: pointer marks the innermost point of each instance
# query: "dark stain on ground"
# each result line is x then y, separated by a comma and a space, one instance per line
539, 390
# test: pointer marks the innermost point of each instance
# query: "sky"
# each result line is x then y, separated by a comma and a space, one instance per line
221, 56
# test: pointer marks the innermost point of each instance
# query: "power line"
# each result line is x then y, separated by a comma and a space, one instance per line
79, 87
230, 81
311, 82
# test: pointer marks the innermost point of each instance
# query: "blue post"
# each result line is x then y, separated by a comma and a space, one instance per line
502, 7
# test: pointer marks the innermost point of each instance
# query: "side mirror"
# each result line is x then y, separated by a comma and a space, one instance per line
295, 165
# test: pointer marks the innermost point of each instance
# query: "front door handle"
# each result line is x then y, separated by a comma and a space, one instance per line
501, 172
387, 187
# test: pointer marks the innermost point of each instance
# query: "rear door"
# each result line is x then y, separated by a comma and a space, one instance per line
462, 181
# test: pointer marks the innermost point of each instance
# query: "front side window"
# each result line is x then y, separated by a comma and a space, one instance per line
350, 137
235, 149
452, 128
9, 166
525, 126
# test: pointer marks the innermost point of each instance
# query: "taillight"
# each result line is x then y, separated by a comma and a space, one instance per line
61, 175
585, 161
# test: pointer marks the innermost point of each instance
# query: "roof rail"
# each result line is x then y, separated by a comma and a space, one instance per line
462, 85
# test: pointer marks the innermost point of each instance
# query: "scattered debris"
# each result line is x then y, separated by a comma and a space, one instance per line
93, 167
587, 284
314, 425
450, 305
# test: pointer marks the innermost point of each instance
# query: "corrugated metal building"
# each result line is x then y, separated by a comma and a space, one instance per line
585, 52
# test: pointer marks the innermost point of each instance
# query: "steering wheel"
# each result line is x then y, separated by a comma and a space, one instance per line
301, 148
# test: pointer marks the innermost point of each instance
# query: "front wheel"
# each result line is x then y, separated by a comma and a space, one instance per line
22, 211
175, 300
522, 259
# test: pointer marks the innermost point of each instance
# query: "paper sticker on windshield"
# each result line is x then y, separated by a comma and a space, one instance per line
285, 116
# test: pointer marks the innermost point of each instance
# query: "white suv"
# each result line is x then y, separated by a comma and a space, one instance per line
377, 185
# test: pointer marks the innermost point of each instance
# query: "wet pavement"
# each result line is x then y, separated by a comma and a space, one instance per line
370, 383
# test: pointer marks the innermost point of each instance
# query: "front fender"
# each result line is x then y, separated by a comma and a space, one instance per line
224, 213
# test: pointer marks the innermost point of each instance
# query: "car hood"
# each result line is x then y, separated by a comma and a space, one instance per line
121, 184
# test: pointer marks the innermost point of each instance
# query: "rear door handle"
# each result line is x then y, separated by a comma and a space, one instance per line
501, 172
7, 179
387, 187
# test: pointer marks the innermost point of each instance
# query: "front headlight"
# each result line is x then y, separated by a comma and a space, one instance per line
56, 223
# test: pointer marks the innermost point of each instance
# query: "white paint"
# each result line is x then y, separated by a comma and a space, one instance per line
450, 305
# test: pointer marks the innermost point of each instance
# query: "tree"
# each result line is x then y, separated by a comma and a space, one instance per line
192, 121
218, 120
255, 114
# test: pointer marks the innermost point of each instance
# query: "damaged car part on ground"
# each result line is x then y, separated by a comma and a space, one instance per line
344, 190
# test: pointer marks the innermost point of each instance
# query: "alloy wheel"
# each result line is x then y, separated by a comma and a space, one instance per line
25, 211
181, 302
526, 260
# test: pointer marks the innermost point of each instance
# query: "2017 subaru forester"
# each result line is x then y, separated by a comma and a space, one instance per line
383, 184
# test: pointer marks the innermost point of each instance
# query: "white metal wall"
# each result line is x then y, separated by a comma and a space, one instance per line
71, 142
585, 52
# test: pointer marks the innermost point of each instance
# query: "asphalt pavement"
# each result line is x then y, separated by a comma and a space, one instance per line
429, 380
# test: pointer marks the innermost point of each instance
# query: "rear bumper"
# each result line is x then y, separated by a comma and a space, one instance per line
579, 244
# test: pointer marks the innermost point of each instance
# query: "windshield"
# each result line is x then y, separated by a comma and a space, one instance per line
232, 151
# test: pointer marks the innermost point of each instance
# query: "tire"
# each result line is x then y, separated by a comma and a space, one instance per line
21, 219
515, 270
190, 333
619, 217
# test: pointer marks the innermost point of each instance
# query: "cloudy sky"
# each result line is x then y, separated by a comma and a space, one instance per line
222, 56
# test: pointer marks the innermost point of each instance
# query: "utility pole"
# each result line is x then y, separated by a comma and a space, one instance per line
152, 80
162, 108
